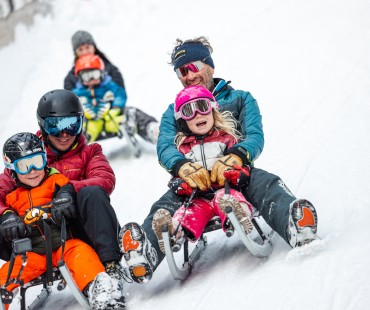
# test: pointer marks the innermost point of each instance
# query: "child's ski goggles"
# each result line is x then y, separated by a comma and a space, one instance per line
54, 126
194, 66
189, 109
24, 165
88, 75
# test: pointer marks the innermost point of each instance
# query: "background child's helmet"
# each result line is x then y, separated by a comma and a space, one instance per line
21, 145
190, 93
89, 62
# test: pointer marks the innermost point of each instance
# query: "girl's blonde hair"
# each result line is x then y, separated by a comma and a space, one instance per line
224, 121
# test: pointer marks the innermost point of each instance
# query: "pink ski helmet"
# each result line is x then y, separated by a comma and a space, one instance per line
192, 93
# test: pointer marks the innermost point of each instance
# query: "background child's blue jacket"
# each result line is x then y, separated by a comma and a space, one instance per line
101, 90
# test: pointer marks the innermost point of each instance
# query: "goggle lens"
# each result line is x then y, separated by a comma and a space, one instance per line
54, 126
88, 75
194, 66
26, 164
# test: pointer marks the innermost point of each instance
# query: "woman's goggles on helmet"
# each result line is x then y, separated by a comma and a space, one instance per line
24, 165
194, 66
88, 75
189, 109
54, 126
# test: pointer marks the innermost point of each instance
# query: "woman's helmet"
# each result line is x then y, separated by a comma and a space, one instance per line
23, 152
191, 100
60, 110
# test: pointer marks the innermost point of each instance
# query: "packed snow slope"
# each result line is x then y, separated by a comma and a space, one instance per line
307, 64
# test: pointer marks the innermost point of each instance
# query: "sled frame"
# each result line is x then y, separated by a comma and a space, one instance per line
59, 273
262, 248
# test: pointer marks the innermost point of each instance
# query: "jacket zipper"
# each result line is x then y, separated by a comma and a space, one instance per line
202, 153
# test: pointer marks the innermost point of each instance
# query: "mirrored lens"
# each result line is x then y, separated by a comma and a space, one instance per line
194, 66
54, 126
26, 164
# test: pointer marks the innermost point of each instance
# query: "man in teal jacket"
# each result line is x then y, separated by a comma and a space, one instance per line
295, 220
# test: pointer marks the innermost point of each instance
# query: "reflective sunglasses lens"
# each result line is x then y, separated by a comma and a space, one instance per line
194, 66
72, 125
26, 164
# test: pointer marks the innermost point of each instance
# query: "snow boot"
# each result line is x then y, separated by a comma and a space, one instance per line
152, 132
118, 299
130, 121
161, 219
139, 254
117, 271
242, 211
302, 226
99, 292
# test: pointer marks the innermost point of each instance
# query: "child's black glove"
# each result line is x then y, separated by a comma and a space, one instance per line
12, 227
63, 204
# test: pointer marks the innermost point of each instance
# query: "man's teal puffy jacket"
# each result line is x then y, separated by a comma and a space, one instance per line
245, 110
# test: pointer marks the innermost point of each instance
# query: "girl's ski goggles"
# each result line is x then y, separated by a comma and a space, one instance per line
189, 109
194, 66
24, 165
54, 126
88, 75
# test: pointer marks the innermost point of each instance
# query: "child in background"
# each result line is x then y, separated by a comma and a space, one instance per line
137, 121
42, 193
204, 136
103, 100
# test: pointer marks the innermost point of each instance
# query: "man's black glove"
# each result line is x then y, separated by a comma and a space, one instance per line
180, 187
63, 204
12, 227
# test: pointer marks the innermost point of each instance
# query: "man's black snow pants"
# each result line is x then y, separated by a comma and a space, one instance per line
97, 223
266, 192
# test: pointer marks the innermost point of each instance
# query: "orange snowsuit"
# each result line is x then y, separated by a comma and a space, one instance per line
81, 259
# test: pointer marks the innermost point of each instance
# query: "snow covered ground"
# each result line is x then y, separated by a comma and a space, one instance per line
307, 64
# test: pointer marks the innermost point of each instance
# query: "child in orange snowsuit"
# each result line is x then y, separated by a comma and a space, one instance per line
34, 199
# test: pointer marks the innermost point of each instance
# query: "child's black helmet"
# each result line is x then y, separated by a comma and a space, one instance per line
21, 145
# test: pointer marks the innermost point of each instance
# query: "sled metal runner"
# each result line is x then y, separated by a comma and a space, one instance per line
259, 248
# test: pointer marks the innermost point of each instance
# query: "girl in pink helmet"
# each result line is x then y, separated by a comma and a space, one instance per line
204, 135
